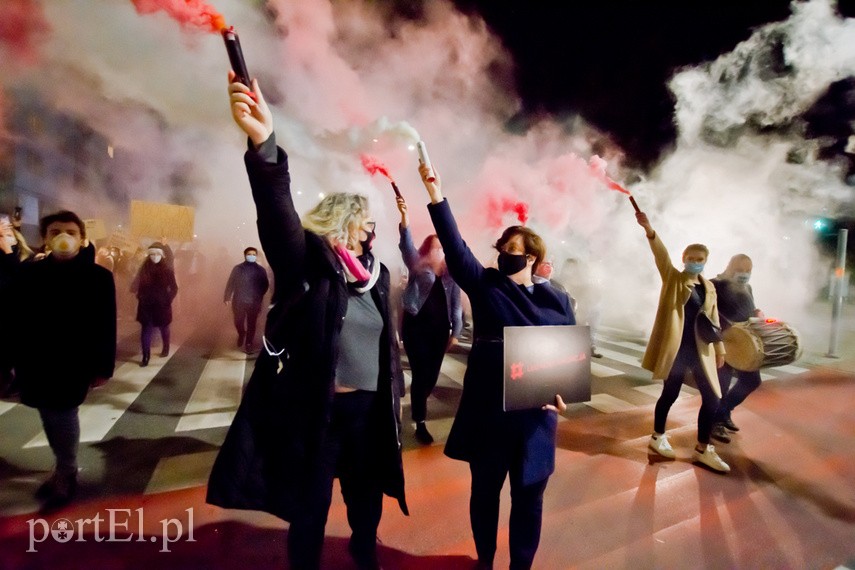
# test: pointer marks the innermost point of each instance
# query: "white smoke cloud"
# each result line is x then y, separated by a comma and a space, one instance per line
348, 77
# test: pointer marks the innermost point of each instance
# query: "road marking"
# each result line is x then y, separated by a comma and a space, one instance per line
609, 404
181, 472
6, 406
217, 394
620, 357
623, 344
454, 369
655, 390
790, 369
601, 371
104, 406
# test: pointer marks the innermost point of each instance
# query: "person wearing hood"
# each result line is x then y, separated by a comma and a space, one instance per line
735, 305
677, 347
155, 288
68, 303
324, 398
245, 290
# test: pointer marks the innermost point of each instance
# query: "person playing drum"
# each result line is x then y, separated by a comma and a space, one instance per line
735, 305
675, 346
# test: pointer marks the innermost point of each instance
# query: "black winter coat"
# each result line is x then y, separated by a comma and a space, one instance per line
482, 430
65, 314
155, 288
271, 452
247, 284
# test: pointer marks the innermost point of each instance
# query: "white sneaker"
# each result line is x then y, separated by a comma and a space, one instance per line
711, 459
660, 444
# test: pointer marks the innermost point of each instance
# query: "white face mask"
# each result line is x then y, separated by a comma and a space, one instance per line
64, 246
155, 257
11, 240
251, 258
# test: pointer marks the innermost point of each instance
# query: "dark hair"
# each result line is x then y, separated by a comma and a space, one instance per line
247, 250
532, 243
62, 216
426, 246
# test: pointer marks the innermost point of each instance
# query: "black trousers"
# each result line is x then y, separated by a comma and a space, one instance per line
349, 452
425, 345
687, 360
746, 382
246, 318
488, 478
146, 337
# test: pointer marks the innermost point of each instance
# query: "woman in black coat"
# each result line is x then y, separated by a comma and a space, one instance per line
495, 443
322, 401
155, 288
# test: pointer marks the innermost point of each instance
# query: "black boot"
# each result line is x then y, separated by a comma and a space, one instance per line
422, 434
145, 358
728, 423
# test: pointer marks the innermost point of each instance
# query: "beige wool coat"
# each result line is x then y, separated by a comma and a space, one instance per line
668, 327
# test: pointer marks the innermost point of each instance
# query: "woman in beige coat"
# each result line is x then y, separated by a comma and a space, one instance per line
675, 347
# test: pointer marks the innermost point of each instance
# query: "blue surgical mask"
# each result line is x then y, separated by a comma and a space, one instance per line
742, 278
251, 258
693, 267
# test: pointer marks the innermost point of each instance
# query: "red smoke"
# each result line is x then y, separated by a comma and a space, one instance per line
598, 169
497, 208
21, 22
191, 14
373, 166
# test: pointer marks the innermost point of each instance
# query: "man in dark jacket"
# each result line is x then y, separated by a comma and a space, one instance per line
66, 312
245, 289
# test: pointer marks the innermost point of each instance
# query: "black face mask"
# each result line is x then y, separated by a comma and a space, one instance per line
510, 263
366, 244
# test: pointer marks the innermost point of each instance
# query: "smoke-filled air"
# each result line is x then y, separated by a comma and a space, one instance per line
350, 82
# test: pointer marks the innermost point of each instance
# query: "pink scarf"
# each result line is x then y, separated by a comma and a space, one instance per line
353, 268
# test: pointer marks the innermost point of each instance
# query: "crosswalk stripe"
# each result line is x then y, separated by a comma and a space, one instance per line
104, 406
790, 369
623, 344
609, 404
217, 393
620, 357
6, 406
454, 369
655, 390
181, 472
601, 371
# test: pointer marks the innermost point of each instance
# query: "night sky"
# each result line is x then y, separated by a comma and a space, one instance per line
609, 60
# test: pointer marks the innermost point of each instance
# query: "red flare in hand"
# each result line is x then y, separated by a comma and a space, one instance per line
373, 166
195, 14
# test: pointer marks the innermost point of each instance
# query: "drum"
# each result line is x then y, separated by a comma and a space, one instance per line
753, 345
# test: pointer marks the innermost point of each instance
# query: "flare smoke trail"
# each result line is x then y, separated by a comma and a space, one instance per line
349, 78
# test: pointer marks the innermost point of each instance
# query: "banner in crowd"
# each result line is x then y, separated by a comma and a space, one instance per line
157, 221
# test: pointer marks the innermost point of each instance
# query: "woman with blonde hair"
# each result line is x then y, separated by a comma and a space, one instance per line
322, 401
